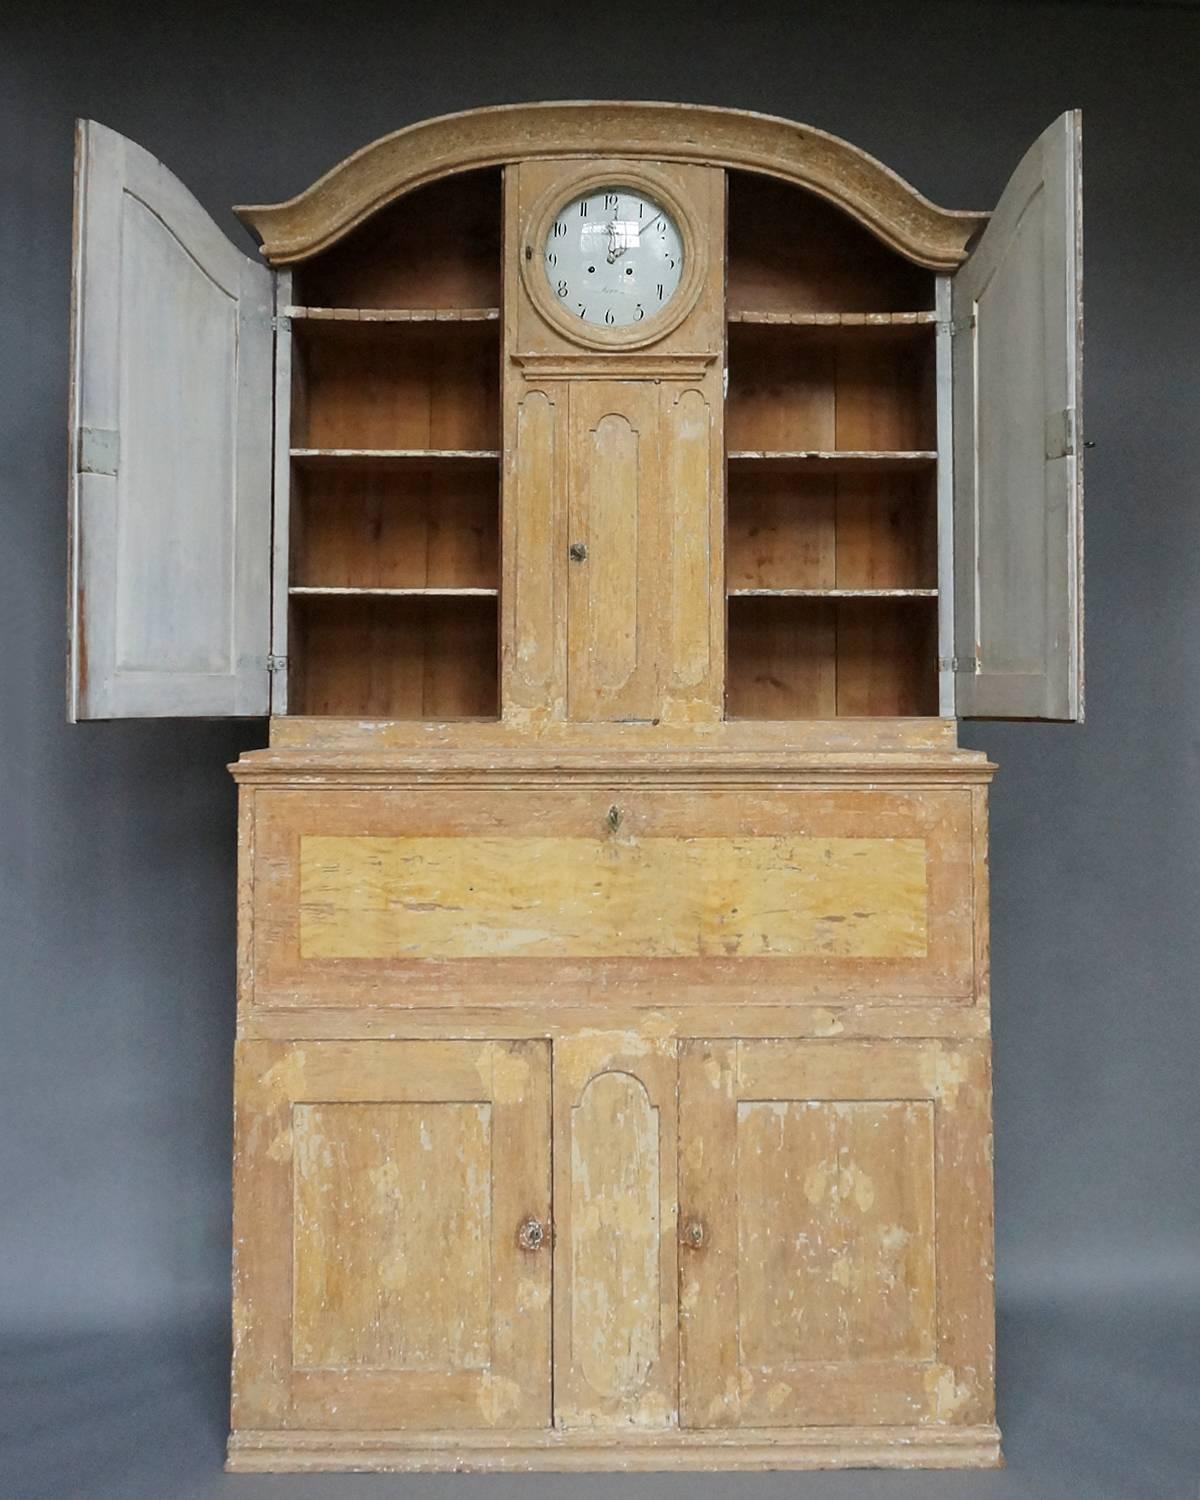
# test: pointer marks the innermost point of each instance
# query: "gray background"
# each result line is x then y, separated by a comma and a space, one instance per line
117, 840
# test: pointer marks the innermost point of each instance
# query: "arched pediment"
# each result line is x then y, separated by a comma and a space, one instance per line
396, 164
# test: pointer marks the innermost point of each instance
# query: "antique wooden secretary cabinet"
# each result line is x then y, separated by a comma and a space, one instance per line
613, 506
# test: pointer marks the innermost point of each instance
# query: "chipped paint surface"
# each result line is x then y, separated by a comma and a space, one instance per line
947, 1070
510, 1074
835, 1231
947, 1396
654, 897
392, 1236
615, 1234
590, 1052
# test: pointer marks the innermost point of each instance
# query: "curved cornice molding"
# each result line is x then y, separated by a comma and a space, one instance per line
395, 164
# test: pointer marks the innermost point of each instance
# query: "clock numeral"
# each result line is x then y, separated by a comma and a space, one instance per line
583, 208
561, 288
611, 200
582, 310
551, 258
662, 226
641, 210
640, 313
608, 317
670, 262
660, 291
560, 230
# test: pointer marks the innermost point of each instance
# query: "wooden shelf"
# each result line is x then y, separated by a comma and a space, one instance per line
836, 462
882, 322
302, 591
832, 594
396, 458
401, 315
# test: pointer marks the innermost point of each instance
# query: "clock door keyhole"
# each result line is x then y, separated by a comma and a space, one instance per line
578, 552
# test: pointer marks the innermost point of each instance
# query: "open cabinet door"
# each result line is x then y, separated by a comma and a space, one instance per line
171, 378
1018, 492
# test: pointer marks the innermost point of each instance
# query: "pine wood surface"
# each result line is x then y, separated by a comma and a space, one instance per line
370, 897
432, 1154
627, 1450
617, 1068
832, 169
853, 1095
613, 1081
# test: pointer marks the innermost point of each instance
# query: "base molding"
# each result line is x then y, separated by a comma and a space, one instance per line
299, 1451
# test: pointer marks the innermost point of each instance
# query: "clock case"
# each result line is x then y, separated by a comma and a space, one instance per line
289, 486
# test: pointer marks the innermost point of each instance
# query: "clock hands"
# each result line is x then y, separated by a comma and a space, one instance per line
614, 253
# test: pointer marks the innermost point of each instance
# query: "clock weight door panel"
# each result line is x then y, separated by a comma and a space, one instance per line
616, 1361
171, 375
1018, 480
392, 1235
615, 553
835, 1234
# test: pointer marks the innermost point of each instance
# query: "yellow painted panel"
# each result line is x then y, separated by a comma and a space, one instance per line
392, 1241
664, 897
835, 1231
615, 1291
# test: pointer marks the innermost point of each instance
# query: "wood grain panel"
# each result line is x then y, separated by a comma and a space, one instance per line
886, 532
887, 656
615, 513
386, 262
693, 897
1018, 445
692, 498
798, 154
378, 1194
393, 1228
388, 386
171, 377
615, 1193
534, 594
471, 897
822, 1175
783, 530
782, 659
835, 1226
398, 658
374, 527
791, 251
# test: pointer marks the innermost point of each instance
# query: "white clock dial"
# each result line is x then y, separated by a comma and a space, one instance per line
613, 257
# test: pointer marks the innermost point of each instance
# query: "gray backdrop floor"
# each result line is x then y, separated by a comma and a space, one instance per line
1099, 1402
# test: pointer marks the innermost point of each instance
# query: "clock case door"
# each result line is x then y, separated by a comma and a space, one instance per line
1018, 476
170, 429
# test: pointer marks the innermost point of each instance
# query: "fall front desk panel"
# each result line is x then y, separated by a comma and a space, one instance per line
485, 896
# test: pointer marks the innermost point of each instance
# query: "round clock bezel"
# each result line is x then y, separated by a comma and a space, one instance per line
614, 176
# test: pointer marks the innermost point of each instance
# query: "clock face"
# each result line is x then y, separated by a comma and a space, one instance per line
613, 257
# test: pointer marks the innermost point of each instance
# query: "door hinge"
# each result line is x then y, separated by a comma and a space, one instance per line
958, 664
1061, 433
960, 325
277, 663
99, 450
281, 323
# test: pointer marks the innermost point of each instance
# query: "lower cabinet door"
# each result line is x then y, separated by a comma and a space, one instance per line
835, 1233
392, 1235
